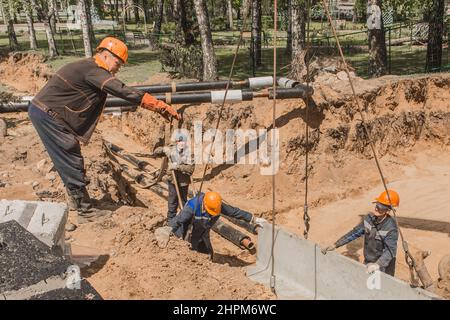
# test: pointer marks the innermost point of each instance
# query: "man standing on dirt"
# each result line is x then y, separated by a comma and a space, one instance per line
380, 235
203, 211
66, 111
182, 167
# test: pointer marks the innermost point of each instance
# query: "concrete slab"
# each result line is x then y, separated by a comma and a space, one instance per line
301, 271
45, 220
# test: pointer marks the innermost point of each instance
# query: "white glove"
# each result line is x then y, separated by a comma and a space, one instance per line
372, 267
259, 221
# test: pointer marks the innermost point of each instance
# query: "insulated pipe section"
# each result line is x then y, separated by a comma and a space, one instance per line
300, 91
260, 82
252, 83
233, 235
250, 227
287, 83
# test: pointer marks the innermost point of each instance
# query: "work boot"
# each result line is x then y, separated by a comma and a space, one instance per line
93, 215
83, 204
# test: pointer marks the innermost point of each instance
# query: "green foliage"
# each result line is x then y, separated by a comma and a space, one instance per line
361, 10
317, 12
219, 24
168, 28
408, 9
183, 61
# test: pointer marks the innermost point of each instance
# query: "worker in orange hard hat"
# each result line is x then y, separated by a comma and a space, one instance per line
203, 211
66, 111
380, 235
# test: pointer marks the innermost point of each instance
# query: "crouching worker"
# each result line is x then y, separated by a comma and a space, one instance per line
182, 167
203, 211
380, 235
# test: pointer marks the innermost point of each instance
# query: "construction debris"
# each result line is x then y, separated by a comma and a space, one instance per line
29, 270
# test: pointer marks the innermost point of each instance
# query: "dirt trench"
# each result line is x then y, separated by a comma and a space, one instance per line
408, 119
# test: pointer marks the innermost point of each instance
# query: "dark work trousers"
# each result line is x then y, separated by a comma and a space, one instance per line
62, 147
200, 240
172, 201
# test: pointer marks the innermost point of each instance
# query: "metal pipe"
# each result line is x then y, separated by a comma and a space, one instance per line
233, 235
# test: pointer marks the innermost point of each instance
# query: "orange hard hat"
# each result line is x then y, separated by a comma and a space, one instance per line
383, 198
213, 203
116, 47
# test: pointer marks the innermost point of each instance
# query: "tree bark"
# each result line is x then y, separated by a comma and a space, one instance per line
209, 57
154, 40
145, 7
52, 15
136, 11
256, 33
89, 5
298, 21
85, 28
435, 33
116, 11
30, 24
289, 28
183, 32
43, 13
7, 12
377, 43
2, 10
230, 14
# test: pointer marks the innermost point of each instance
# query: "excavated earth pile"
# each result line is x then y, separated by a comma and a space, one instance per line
409, 120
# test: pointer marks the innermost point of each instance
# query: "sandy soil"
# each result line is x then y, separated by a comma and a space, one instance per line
410, 123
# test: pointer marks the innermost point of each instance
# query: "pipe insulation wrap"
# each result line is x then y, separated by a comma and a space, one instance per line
260, 82
287, 83
232, 96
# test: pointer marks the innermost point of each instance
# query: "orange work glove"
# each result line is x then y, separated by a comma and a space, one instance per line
149, 102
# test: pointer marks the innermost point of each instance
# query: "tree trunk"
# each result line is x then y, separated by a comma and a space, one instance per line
145, 7
298, 33
41, 12
52, 14
136, 11
159, 16
230, 14
298, 21
85, 28
377, 42
30, 24
256, 33
2, 10
435, 33
209, 57
13, 44
289, 28
90, 4
124, 11
183, 32
116, 11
